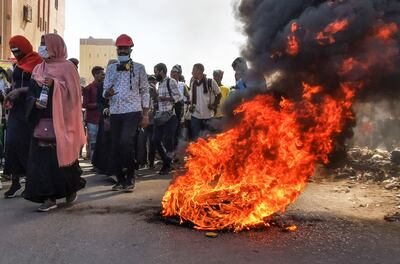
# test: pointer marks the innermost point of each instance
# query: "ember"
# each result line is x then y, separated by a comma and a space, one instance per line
240, 178
293, 43
327, 36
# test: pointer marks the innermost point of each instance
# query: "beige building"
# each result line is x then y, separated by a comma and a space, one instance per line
95, 52
30, 18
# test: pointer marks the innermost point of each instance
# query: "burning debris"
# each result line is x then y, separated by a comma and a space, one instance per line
328, 54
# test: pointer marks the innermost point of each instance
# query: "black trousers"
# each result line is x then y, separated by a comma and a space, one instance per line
164, 137
124, 128
179, 107
151, 144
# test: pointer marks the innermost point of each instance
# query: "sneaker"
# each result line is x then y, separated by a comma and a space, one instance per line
165, 170
150, 166
130, 186
47, 206
71, 198
117, 187
12, 192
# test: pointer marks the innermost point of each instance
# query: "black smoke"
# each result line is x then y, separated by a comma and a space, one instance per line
268, 23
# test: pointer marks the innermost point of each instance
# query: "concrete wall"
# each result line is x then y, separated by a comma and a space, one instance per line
95, 54
45, 19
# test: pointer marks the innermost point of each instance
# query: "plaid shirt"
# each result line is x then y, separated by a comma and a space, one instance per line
127, 100
164, 106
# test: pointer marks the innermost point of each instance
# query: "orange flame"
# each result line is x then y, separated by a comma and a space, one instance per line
291, 228
238, 179
387, 31
326, 36
385, 57
293, 45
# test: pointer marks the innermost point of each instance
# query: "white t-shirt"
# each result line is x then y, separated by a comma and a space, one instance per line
181, 88
204, 99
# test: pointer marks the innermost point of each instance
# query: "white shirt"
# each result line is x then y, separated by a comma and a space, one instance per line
162, 90
132, 91
204, 99
181, 88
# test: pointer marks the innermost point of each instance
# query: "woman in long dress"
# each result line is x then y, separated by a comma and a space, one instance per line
53, 167
19, 131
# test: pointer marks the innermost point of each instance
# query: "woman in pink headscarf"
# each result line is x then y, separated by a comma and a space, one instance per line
53, 167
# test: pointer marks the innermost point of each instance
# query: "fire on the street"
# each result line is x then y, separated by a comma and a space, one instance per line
240, 178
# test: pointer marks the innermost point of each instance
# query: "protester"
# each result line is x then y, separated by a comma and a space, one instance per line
75, 61
53, 167
218, 121
240, 67
127, 88
246, 77
19, 131
176, 73
4, 88
4, 82
187, 115
149, 130
90, 104
101, 157
165, 119
205, 98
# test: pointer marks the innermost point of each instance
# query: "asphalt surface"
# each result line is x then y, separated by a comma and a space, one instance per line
109, 227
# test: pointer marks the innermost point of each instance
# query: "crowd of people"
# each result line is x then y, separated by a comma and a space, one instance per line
131, 118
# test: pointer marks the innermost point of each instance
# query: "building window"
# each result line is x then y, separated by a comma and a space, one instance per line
56, 4
27, 13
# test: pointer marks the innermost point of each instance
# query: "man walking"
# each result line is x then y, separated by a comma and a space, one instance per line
206, 96
176, 73
165, 119
127, 89
92, 110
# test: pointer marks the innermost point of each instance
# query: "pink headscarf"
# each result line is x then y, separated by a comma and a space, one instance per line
67, 112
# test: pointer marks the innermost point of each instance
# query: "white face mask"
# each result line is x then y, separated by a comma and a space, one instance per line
43, 52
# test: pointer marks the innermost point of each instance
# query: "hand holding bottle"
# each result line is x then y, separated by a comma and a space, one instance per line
41, 102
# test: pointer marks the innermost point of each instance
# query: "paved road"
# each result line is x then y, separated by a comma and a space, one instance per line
105, 227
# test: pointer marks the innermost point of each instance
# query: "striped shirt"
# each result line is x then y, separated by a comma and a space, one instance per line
164, 106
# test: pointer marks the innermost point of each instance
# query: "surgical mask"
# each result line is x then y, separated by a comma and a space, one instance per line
43, 52
123, 58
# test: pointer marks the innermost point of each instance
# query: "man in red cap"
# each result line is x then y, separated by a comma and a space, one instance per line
127, 89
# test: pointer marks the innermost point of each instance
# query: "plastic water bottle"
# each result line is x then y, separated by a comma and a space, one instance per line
44, 96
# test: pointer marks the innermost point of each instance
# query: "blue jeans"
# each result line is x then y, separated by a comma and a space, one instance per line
92, 130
